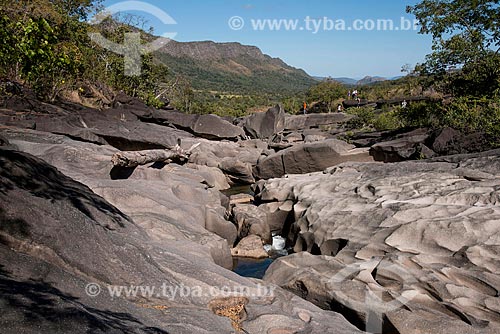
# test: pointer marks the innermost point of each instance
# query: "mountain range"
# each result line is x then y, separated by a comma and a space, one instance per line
240, 69
232, 67
368, 80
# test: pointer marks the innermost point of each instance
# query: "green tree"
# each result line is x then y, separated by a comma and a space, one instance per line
328, 91
43, 42
466, 40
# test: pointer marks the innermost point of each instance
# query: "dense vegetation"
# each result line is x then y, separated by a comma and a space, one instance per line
461, 78
46, 46
203, 75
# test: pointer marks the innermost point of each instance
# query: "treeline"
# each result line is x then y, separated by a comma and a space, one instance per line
46, 45
462, 75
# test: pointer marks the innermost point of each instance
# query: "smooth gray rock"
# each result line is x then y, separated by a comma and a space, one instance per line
277, 214
237, 171
252, 220
57, 237
410, 240
250, 247
236, 160
170, 203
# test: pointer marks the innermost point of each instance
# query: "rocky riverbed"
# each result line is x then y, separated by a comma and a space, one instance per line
407, 247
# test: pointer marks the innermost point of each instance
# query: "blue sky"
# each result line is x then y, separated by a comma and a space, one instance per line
325, 53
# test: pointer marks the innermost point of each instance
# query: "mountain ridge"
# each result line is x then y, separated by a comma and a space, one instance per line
232, 67
367, 80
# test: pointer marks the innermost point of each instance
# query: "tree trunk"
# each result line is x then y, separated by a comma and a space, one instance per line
138, 158
134, 159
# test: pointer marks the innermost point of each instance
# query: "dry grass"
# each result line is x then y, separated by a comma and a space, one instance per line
232, 308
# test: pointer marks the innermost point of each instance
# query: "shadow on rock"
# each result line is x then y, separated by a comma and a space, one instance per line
39, 302
25, 172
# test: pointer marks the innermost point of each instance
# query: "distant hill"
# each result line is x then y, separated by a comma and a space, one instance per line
232, 67
347, 81
368, 80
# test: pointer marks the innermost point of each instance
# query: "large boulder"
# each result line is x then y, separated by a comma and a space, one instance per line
265, 125
302, 122
409, 146
449, 141
206, 126
251, 220
236, 160
250, 247
382, 243
277, 214
237, 171
308, 158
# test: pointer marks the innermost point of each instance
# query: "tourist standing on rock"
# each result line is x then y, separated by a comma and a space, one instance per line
305, 108
339, 108
355, 94
349, 95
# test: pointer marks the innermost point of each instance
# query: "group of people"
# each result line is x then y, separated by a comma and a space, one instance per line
354, 94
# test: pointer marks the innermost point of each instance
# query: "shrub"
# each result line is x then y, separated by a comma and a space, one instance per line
389, 120
365, 117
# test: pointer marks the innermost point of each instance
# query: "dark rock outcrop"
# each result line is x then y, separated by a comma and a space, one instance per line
265, 125
302, 122
117, 127
308, 158
449, 141
408, 146
205, 126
